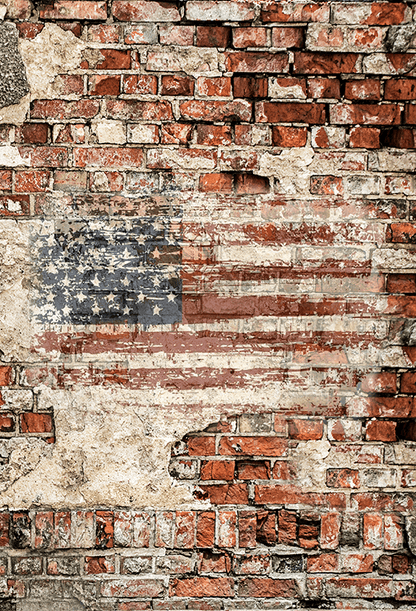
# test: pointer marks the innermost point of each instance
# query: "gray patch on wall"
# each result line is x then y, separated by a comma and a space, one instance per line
13, 80
49, 605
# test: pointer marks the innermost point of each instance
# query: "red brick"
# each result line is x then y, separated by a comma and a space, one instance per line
358, 563
325, 63
214, 562
215, 87
282, 495
226, 494
102, 84
324, 88
6, 375
104, 529
217, 469
137, 110
373, 530
145, 10
113, 59
281, 112
384, 407
105, 33
249, 37
45, 156
185, 529
324, 563
214, 135
108, 157
410, 114
70, 181
4, 529
266, 527
202, 587
200, 110
249, 87
386, 13
401, 564
60, 109
307, 12
256, 61
402, 138
305, 429
5, 180
29, 30
342, 478
6, 423
287, 38
242, 134
289, 137
74, 9
31, 181
36, 423
268, 588
250, 184
380, 430
330, 530
227, 529
368, 89
182, 35
95, 565
247, 527
259, 469
252, 446
213, 36
287, 529
365, 114
205, 529
365, 137
201, 446
353, 587
327, 185
140, 84
71, 84
32, 133
177, 85
400, 89
175, 133
393, 532
380, 382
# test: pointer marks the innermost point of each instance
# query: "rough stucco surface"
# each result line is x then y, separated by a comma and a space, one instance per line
207, 305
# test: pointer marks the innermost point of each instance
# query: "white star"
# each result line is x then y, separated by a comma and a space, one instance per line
171, 297
66, 281
66, 310
156, 281
125, 281
96, 309
156, 253
156, 310
95, 281
81, 297
140, 297
51, 268
126, 310
50, 297
140, 239
111, 297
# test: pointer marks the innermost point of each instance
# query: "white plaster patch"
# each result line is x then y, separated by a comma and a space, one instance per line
10, 157
110, 132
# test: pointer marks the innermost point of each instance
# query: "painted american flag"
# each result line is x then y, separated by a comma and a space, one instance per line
214, 294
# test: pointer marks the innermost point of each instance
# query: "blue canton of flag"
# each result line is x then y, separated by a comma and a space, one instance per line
109, 271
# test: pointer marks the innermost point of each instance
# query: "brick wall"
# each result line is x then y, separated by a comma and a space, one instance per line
274, 143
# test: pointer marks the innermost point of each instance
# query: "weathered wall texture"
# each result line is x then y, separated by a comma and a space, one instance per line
207, 305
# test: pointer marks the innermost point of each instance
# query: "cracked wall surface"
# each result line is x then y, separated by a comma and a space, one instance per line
207, 305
